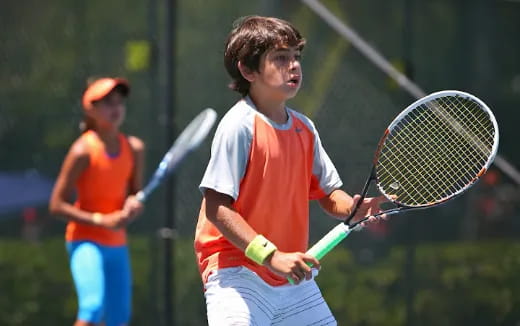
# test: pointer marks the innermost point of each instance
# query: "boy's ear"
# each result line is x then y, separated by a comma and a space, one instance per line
246, 72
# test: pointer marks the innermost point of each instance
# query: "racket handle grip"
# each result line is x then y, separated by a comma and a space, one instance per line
328, 242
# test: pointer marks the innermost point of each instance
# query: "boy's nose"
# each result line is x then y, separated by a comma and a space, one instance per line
295, 64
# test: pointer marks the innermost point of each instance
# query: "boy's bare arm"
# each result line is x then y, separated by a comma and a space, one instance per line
340, 204
231, 224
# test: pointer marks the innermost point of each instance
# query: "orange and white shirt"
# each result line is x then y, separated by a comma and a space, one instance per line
272, 171
103, 188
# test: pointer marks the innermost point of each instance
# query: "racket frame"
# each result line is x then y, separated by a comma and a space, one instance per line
204, 122
343, 229
400, 207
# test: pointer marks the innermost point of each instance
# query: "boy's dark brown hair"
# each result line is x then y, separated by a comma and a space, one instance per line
251, 37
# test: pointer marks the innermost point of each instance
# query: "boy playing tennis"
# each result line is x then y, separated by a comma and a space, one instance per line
266, 163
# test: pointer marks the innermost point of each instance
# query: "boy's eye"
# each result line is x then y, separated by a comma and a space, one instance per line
287, 57
282, 57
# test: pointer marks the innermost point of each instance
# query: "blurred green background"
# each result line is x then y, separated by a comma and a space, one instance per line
452, 265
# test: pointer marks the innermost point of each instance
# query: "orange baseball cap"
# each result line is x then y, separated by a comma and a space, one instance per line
101, 87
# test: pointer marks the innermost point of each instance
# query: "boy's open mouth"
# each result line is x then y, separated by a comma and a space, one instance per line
294, 81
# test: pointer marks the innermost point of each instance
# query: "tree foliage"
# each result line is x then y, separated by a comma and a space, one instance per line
454, 284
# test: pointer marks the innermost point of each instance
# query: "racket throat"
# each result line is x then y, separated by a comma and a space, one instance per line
371, 177
356, 226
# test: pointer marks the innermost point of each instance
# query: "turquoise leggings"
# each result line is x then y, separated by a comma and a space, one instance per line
103, 282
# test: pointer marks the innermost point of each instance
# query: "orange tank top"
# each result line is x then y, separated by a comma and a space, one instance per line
274, 199
271, 171
103, 188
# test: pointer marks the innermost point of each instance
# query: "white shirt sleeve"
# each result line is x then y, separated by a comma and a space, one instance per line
322, 167
229, 152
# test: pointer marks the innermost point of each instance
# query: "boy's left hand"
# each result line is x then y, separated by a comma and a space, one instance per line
369, 206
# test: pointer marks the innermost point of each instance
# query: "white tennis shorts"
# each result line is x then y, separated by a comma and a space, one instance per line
239, 297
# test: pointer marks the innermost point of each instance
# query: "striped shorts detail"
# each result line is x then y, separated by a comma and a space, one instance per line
237, 296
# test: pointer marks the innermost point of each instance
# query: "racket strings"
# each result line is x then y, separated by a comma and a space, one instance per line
416, 166
394, 187
435, 151
474, 135
424, 178
430, 176
474, 146
462, 148
483, 133
457, 150
422, 162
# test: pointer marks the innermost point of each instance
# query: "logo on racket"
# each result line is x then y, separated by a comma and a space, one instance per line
394, 185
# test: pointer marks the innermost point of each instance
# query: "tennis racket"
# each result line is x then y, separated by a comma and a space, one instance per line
433, 151
189, 139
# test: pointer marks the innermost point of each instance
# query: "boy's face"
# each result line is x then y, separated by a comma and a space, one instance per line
280, 73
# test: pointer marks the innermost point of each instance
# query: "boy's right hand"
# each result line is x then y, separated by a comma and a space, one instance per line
294, 265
